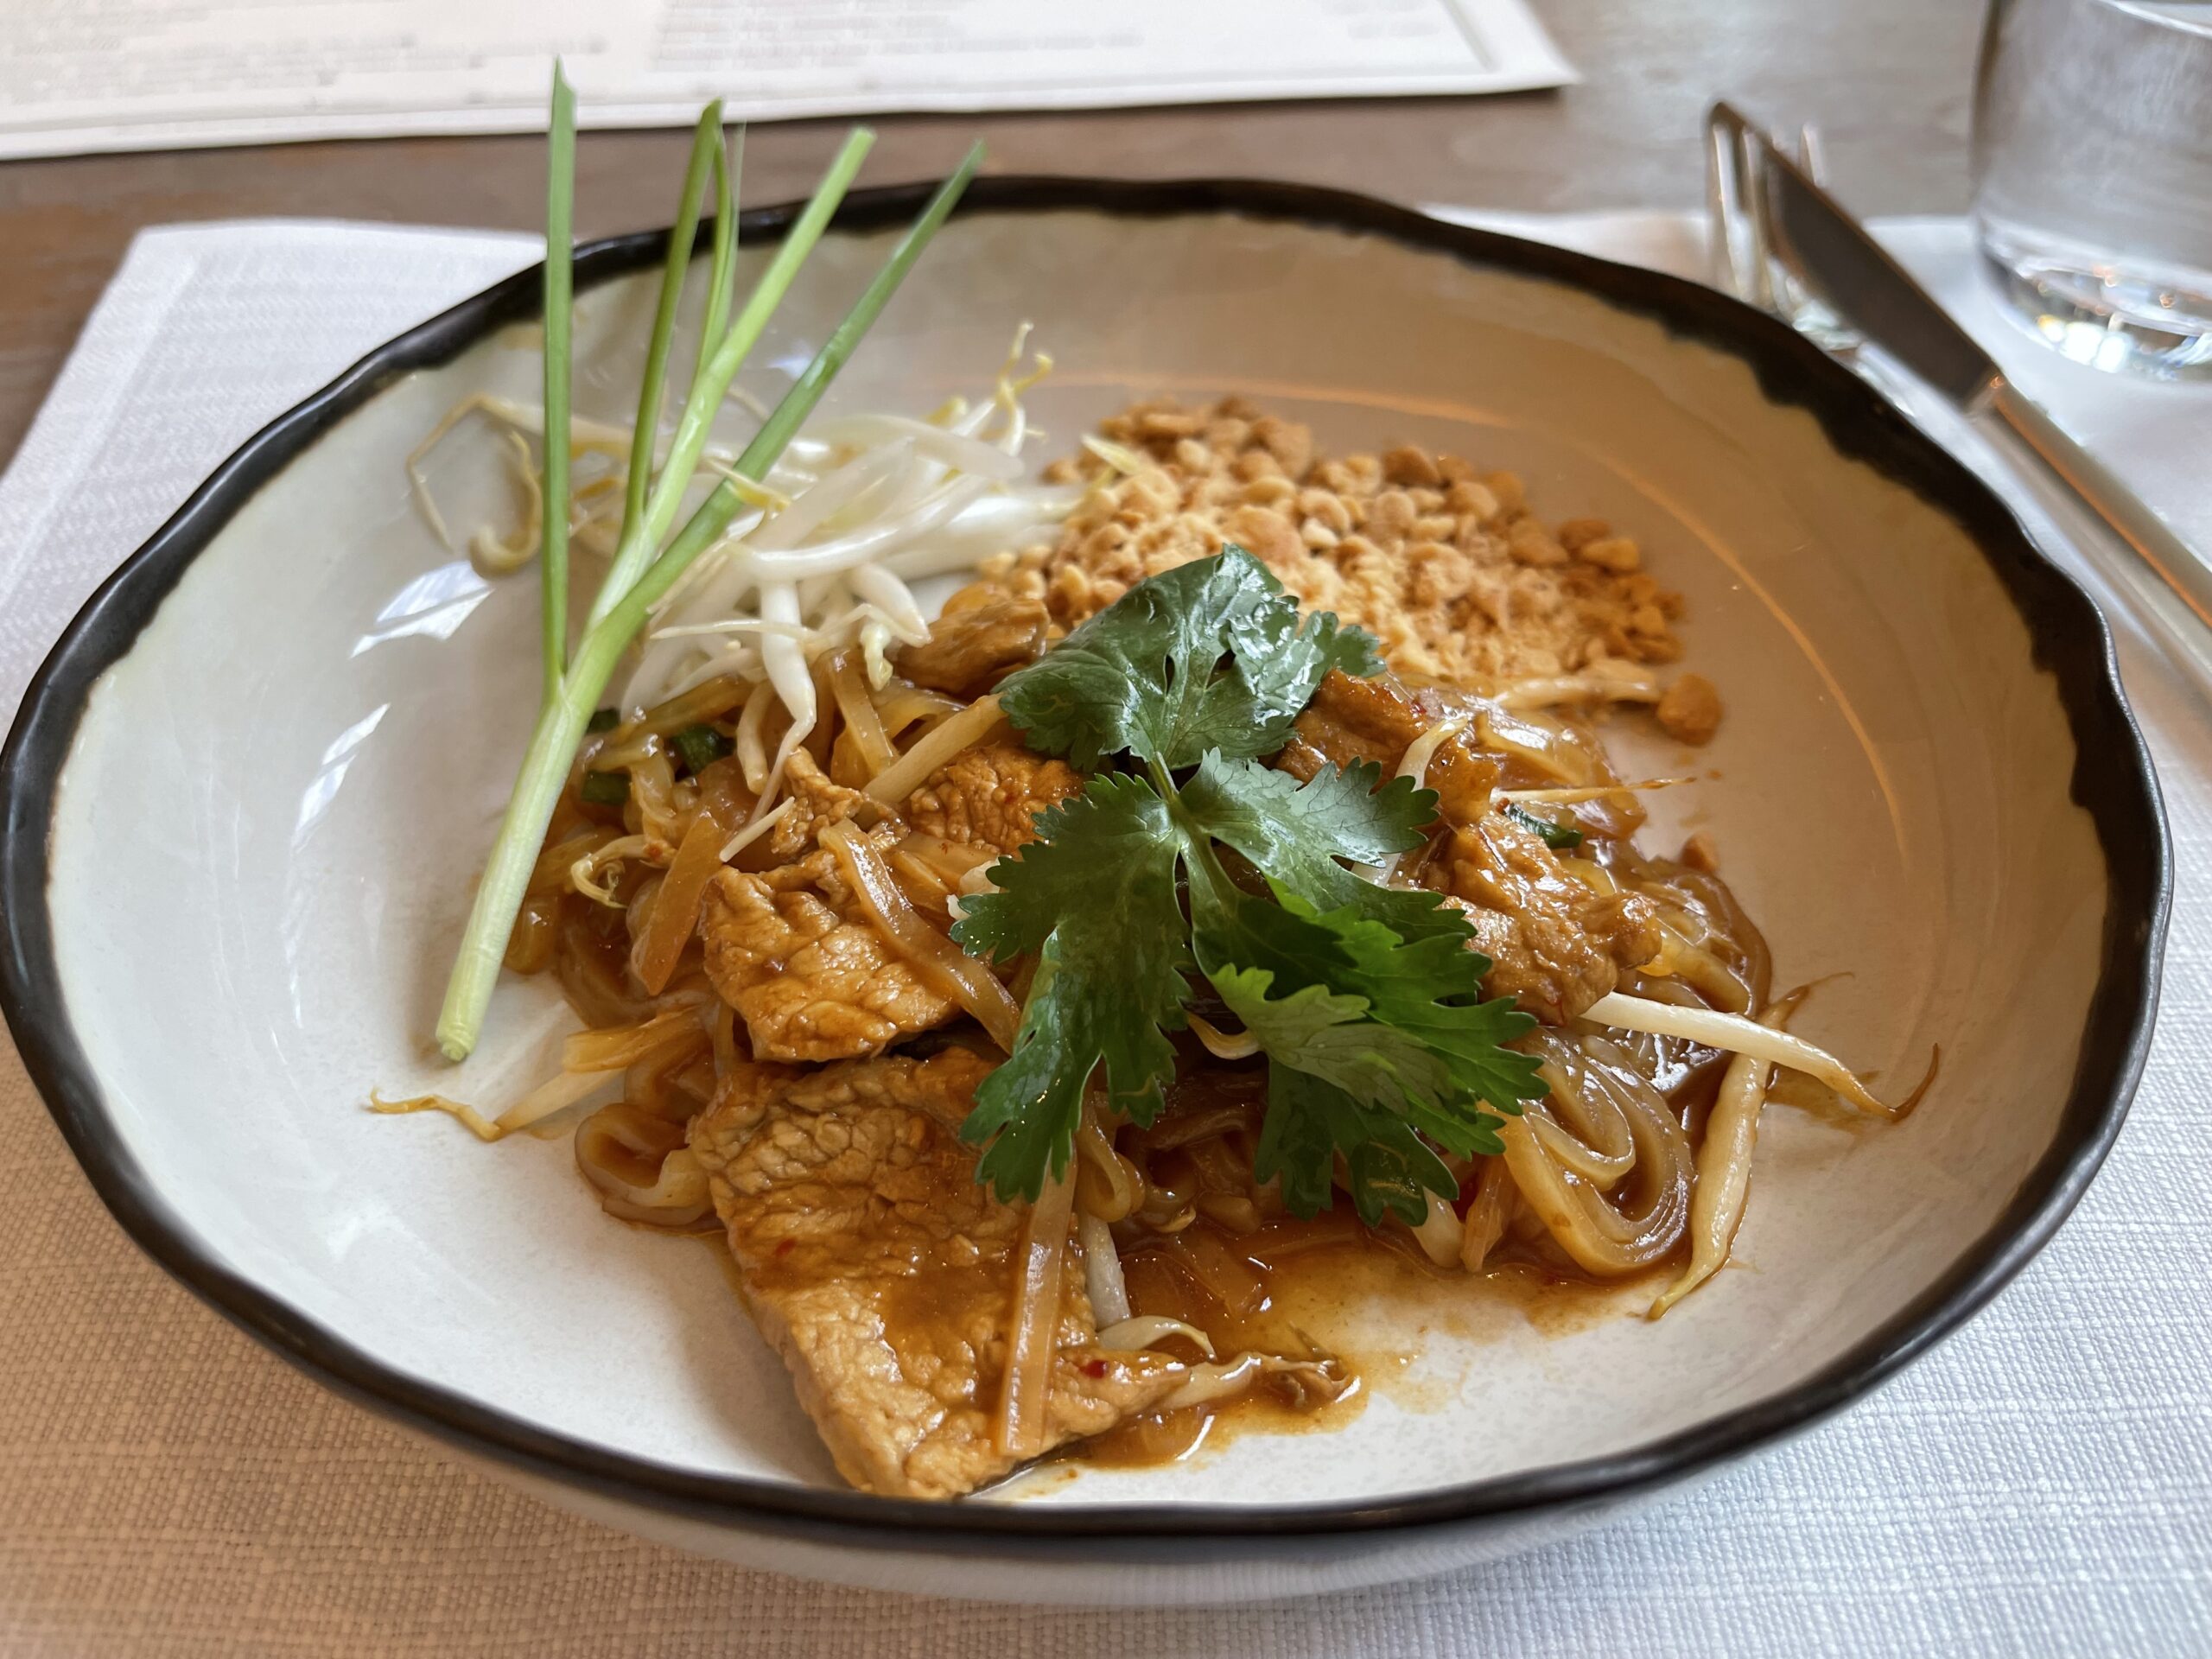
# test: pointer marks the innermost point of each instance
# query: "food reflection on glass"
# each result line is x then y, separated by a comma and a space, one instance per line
1230, 876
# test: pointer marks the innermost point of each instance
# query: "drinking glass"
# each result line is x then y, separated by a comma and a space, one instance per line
2092, 176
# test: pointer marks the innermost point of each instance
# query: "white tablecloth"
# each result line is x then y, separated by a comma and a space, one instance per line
2041, 1484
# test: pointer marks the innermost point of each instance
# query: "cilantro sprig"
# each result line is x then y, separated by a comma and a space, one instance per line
1364, 998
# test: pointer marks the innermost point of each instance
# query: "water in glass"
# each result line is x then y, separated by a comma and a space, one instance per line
2092, 176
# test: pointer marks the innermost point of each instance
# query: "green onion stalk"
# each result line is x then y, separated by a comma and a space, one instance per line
559, 293
642, 572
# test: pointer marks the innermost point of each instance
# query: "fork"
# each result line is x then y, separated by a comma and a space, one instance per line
1741, 244
2158, 580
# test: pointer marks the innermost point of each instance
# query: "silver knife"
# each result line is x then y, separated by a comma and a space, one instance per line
1815, 238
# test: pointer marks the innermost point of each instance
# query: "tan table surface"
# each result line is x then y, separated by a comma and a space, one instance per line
340, 1535
1886, 80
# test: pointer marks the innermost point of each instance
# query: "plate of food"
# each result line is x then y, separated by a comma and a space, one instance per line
1111, 891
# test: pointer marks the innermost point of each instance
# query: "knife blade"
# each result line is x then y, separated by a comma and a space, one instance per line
1816, 239
1812, 234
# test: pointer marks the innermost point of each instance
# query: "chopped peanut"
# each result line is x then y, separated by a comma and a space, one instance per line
1689, 710
1446, 566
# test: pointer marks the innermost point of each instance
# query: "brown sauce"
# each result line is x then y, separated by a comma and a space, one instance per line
1330, 1285
1327, 1286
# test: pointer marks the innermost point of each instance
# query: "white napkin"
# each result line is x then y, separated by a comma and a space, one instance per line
2041, 1484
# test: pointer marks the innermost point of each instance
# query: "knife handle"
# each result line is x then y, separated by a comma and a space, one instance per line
2149, 536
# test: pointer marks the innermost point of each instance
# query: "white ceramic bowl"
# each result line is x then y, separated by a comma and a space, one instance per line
248, 794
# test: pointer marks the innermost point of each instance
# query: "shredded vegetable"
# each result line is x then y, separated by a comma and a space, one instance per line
1724, 1165
1036, 1314
1102, 1272
967, 979
1149, 1331
962, 731
644, 571
1733, 1034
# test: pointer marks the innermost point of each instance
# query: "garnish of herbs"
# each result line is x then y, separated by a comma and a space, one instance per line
1186, 856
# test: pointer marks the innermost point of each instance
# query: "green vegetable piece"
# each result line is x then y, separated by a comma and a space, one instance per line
603, 720
1094, 897
1310, 1120
632, 585
642, 534
557, 292
1428, 988
1365, 999
1425, 990
676, 267
1327, 1034
1208, 656
1298, 834
700, 747
1558, 837
605, 788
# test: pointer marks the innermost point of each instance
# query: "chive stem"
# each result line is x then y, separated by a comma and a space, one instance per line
644, 438
714, 514
721, 270
560, 724
559, 293
641, 541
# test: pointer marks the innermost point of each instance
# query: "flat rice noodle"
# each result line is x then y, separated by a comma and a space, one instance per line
619, 1049
948, 859
899, 705
710, 700
674, 1082
640, 1167
652, 799
724, 794
551, 872
952, 972
595, 974
1032, 1330
536, 932
820, 741
856, 707
1181, 1129
1441, 1235
556, 1094
1604, 1237
1483, 1224
1107, 1186
1228, 1277
675, 917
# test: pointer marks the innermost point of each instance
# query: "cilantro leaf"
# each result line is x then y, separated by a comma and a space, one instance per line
1328, 1035
1231, 927
1426, 993
1426, 989
1299, 1138
1284, 666
1365, 998
1309, 1121
1209, 655
1429, 988
1295, 834
1094, 897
